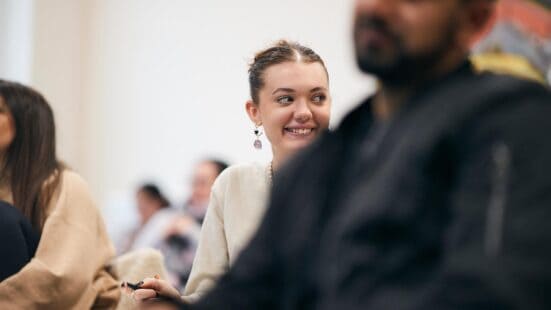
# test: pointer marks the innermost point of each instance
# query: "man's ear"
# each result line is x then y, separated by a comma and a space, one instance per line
478, 18
254, 112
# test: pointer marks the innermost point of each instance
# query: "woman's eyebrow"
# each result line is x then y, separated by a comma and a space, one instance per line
283, 89
315, 89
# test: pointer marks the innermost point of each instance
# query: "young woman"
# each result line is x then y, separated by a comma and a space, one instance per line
53, 235
289, 89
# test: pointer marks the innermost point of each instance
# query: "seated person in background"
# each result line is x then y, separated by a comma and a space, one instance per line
182, 234
519, 42
290, 98
155, 214
55, 243
203, 178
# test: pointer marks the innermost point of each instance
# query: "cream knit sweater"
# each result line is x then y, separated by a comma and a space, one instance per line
236, 207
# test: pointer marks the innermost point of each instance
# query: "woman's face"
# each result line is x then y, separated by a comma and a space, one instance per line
7, 127
294, 105
147, 206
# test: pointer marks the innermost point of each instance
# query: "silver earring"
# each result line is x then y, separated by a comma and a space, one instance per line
257, 132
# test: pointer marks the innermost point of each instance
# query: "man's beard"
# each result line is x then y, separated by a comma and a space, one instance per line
403, 67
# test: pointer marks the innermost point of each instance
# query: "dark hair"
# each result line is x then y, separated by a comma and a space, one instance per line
154, 192
282, 51
220, 164
31, 167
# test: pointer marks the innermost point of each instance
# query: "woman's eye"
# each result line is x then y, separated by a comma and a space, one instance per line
285, 99
318, 98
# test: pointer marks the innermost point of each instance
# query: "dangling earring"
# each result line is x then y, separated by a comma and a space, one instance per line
257, 143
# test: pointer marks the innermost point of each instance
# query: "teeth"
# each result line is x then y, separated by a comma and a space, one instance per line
300, 131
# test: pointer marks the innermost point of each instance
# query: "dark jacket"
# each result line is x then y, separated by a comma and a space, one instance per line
447, 206
20, 240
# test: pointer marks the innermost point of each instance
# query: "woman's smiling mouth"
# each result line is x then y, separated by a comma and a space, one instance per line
299, 132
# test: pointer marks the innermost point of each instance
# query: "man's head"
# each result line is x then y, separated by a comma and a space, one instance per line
203, 177
401, 40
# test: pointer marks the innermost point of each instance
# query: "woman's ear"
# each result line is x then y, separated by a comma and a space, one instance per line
254, 112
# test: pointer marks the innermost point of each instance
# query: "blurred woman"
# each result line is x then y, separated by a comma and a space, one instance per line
54, 236
289, 88
154, 215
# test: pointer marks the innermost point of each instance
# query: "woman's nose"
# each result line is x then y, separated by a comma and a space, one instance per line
303, 112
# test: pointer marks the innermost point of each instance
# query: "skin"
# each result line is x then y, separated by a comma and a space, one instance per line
7, 128
7, 135
408, 43
147, 206
294, 107
203, 177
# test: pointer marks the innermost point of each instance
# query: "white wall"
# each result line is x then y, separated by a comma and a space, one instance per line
42, 45
169, 79
16, 22
59, 62
142, 89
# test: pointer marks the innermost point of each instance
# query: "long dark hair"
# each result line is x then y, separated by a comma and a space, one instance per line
31, 167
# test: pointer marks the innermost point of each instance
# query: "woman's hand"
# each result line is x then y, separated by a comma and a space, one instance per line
155, 288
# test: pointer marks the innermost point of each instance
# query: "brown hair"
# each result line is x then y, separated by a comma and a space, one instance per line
282, 51
31, 167
155, 193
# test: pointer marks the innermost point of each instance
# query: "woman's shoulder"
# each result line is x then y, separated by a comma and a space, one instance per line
242, 174
72, 198
71, 180
71, 186
72, 176
245, 169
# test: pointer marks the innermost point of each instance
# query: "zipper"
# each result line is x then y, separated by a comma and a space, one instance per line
501, 159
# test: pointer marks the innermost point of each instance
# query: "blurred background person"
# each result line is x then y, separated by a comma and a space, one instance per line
518, 41
290, 100
55, 243
204, 174
155, 215
181, 235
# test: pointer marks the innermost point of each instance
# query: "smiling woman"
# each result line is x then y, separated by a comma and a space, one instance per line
289, 88
292, 106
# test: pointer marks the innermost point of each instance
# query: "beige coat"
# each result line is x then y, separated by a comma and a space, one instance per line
68, 270
236, 207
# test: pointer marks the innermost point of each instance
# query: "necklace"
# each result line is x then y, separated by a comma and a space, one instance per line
270, 173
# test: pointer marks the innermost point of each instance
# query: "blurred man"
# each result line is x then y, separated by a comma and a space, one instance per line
435, 193
181, 234
203, 177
